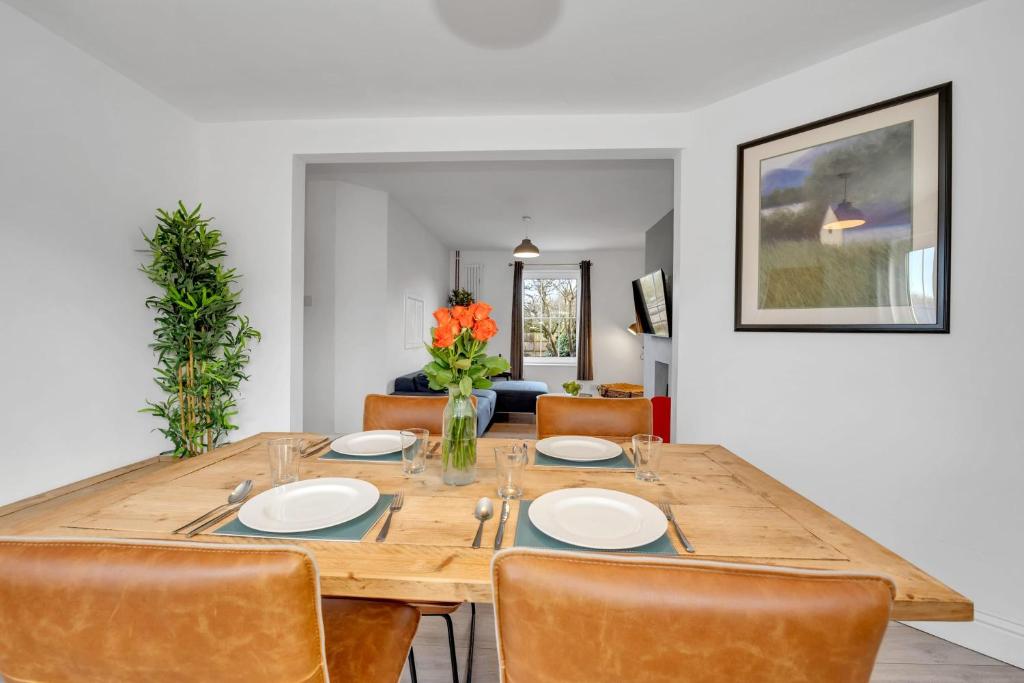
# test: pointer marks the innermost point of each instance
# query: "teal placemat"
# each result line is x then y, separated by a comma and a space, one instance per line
619, 462
352, 530
387, 457
529, 536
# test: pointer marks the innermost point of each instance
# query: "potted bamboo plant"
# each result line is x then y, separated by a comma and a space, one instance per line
201, 343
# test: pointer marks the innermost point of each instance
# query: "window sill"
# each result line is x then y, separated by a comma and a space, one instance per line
549, 361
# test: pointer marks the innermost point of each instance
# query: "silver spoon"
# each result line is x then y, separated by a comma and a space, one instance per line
484, 511
239, 493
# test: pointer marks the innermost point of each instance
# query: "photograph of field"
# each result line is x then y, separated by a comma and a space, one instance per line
835, 223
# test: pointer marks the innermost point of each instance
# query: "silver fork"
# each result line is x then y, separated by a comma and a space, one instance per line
396, 505
667, 510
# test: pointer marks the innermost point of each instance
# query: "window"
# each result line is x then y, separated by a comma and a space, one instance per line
550, 316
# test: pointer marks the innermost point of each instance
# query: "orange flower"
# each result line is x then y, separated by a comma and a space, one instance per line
443, 337
480, 310
442, 316
462, 314
485, 329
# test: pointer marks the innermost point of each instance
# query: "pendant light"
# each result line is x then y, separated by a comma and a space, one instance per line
844, 214
526, 248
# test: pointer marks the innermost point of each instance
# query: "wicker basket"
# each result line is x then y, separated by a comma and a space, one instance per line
621, 390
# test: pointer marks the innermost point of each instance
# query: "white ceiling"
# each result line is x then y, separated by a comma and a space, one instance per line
222, 60
575, 205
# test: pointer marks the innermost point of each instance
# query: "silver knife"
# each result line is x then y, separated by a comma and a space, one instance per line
499, 537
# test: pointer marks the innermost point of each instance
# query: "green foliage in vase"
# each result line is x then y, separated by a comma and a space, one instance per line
572, 387
201, 343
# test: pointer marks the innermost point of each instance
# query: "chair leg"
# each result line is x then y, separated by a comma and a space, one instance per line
472, 639
412, 666
451, 648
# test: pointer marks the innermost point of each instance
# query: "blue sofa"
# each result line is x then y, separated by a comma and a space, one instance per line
506, 396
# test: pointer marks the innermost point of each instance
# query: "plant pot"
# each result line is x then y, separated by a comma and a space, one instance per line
458, 446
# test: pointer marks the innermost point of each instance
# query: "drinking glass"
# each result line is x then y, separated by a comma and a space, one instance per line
510, 463
646, 456
414, 456
284, 460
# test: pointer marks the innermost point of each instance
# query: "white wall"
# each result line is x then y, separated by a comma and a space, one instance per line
917, 440
87, 157
417, 267
616, 351
318, 308
364, 253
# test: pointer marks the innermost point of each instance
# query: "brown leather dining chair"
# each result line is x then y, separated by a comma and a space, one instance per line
86, 611
609, 418
403, 412
425, 412
580, 617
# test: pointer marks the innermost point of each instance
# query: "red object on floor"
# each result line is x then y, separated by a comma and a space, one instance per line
662, 414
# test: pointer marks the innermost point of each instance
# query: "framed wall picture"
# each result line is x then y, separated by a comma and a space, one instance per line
843, 225
414, 328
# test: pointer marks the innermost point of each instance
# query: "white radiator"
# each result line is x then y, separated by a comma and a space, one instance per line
473, 279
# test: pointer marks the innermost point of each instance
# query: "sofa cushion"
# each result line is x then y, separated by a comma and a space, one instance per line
518, 396
406, 384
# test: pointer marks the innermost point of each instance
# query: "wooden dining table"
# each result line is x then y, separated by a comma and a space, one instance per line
730, 510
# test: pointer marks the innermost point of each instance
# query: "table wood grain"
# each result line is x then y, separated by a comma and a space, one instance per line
729, 509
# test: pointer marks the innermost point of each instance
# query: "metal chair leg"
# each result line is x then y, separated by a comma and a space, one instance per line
472, 639
412, 666
451, 648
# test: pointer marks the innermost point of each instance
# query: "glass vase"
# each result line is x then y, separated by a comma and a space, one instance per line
458, 449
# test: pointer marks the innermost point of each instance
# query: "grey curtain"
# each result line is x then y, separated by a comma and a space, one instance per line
515, 352
585, 347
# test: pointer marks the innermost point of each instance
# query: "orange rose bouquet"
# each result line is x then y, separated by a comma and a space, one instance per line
460, 364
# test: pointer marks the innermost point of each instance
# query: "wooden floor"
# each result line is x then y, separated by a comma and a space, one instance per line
907, 656
513, 426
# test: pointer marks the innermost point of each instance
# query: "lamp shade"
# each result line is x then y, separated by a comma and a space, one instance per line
526, 249
842, 216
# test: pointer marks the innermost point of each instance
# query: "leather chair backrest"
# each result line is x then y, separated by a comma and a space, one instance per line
405, 412
580, 617
612, 418
92, 611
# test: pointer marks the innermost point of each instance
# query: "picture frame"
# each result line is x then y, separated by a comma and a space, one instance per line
843, 224
414, 322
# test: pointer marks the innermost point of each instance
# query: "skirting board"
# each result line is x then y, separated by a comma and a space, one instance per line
988, 634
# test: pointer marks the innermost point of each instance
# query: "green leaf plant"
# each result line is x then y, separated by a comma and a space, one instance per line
201, 343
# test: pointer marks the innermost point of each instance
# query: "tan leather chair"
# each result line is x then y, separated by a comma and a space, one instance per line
608, 418
580, 617
86, 611
403, 412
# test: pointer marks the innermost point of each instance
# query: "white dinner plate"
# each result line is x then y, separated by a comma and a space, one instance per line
309, 505
578, 448
374, 442
598, 518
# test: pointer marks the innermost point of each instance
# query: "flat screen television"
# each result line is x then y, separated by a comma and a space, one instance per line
650, 298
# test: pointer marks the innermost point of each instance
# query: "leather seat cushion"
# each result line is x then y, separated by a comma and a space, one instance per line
367, 641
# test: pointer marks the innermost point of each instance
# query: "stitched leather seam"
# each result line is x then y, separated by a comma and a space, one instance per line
711, 569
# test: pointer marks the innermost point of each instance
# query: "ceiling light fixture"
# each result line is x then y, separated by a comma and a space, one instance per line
844, 214
526, 248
